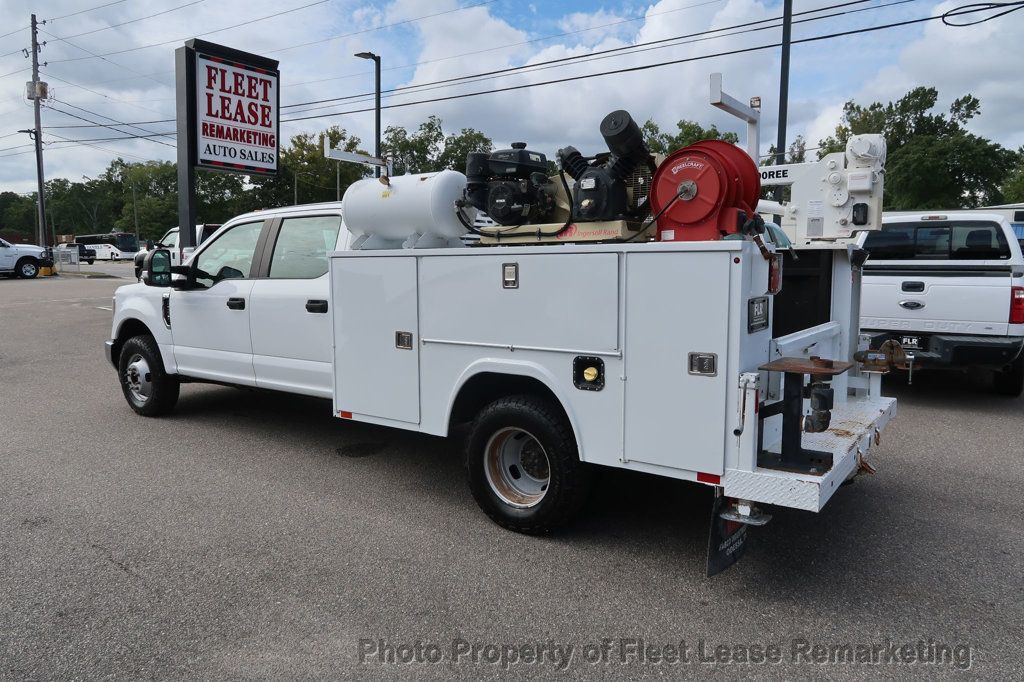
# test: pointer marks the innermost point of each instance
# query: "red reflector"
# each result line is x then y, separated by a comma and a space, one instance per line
775, 274
709, 478
345, 415
1017, 305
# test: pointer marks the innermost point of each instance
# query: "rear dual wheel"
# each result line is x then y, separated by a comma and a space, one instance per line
524, 466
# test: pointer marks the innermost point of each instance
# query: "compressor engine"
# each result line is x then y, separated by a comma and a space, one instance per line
601, 183
511, 185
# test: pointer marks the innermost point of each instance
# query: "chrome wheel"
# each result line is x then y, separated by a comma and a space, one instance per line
28, 270
517, 467
138, 378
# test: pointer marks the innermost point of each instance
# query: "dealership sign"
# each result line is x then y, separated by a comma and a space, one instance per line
227, 109
237, 117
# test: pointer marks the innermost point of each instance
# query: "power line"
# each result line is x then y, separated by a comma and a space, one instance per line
104, 125
130, 21
508, 45
119, 123
96, 146
109, 61
271, 16
11, 33
631, 69
577, 58
206, 33
97, 92
605, 54
83, 11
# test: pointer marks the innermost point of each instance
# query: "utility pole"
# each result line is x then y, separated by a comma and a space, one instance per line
37, 92
135, 209
296, 202
337, 181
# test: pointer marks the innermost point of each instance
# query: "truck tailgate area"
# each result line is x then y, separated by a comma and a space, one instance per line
851, 435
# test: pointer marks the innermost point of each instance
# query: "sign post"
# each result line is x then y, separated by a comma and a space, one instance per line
228, 115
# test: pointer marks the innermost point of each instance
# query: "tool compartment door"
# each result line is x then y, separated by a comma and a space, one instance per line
676, 304
376, 337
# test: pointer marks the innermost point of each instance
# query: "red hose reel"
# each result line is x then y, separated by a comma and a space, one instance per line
704, 192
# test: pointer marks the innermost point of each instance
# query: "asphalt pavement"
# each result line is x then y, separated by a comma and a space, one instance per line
252, 535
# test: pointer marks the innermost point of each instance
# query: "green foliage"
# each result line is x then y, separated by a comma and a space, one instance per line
687, 133
933, 161
428, 149
796, 152
1013, 187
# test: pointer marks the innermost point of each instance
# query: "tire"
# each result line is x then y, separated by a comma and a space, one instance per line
512, 444
90, 261
149, 390
27, 268
1010, 381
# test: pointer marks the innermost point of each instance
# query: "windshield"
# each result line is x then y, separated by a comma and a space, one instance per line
127, 242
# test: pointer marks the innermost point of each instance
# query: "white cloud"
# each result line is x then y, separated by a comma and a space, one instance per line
984, 60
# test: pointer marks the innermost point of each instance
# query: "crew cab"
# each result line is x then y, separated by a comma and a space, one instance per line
254, 315
949, 288
21, 260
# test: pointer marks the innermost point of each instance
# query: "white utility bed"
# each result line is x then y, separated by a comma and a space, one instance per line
413, 328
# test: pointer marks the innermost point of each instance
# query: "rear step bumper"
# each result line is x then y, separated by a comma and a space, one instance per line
953, 350
853, 432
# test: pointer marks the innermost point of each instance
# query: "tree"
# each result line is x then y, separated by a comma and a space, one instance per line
687, 133
429, 149
1013, 187
796, 152
933, 161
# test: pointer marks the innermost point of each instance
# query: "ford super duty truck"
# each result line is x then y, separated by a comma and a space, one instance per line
949, 289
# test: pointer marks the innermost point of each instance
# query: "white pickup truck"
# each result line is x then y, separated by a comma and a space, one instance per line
949, 288
21, 260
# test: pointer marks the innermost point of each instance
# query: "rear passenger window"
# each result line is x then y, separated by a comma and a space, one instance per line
302, 247
938, 241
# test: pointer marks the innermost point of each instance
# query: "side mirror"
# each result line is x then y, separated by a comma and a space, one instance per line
156, 268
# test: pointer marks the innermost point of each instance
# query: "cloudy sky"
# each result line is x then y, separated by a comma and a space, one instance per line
116, 63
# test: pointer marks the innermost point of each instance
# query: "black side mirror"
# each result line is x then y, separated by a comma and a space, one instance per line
156, 268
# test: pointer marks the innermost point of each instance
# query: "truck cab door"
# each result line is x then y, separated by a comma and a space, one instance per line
292, 342
210, 323
7, 254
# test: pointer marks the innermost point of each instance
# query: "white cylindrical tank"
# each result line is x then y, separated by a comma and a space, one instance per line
409, 204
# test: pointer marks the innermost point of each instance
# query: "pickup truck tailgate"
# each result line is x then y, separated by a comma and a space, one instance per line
949, 300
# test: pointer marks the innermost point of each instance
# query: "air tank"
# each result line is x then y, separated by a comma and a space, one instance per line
406, 205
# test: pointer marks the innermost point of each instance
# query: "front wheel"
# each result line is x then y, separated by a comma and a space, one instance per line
149, 390
27, 268
1010, 381
524, 466
90, 261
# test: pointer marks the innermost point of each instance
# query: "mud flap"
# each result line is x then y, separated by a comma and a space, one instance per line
727, 540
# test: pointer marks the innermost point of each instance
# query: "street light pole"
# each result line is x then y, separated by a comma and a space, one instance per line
376, 106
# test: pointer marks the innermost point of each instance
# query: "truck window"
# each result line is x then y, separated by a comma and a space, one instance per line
229, 256
966, 240
302, 247
170, 239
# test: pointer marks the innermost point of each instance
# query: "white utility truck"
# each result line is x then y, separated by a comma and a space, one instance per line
620, 313
946, 291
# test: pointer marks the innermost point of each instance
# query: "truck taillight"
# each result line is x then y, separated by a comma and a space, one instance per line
775, 274
1017, 305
